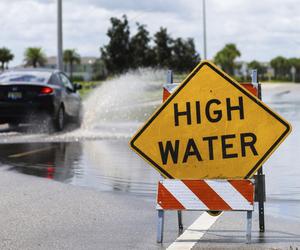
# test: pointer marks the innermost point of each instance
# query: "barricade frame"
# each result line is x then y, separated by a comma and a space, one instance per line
161, 210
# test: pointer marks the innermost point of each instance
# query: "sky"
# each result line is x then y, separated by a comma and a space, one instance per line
261, 29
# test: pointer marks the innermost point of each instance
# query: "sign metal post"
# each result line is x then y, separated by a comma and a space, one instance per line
260, 176
249, 227
160, 226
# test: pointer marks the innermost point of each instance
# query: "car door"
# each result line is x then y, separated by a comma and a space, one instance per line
72, 98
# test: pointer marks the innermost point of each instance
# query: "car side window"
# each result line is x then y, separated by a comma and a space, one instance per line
54, 79
66, 82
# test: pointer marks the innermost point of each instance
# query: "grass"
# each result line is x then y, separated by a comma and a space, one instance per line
179, 77
87, 87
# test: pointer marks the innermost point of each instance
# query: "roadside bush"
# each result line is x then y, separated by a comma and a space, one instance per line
77, 78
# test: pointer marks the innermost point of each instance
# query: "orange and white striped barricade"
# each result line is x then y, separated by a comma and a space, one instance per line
168, 89
205, 195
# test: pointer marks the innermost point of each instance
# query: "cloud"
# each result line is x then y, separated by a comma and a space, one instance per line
137, 5
260, 29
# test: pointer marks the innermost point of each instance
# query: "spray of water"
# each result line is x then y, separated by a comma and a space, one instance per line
120, 104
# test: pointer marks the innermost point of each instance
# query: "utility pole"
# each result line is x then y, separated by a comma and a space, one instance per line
204, 30
59, 59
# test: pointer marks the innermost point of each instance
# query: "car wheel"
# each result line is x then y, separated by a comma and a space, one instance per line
59, 122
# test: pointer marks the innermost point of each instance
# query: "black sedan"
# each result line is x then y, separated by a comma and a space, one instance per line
38, 95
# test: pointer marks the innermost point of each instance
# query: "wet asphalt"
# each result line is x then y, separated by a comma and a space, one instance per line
42, 214
94, 193
110, 203
229, 232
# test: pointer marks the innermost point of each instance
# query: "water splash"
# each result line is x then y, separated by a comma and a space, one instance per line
122, 102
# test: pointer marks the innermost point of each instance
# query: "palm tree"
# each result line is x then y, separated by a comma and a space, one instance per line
5, 56
71, 57
34, 56
226, 57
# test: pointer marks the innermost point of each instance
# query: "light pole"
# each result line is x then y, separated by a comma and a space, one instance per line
59, 58
204, 30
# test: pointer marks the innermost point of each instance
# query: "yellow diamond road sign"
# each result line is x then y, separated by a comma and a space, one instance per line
210, 127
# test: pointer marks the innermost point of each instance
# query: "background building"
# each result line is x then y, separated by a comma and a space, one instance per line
83, 71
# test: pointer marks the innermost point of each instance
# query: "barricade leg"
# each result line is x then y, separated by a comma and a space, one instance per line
180, 225
261, 200
260, 175
160, 226
249, 227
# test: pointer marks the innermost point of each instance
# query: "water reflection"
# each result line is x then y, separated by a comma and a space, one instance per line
51, 160
111, 165
106, 165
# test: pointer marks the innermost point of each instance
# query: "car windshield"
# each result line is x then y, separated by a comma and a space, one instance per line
26, 76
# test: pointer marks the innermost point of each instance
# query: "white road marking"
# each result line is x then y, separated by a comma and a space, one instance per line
194, 233
30, 152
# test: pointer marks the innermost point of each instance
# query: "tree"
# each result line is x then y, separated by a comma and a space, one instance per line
71, 57
116, 54
5, 56
141, 53
124, 52
34, 56
163, 48
225, 58
295, 62
184, 55
261, 69
281, 67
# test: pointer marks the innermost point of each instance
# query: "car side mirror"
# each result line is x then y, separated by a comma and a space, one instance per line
77, 86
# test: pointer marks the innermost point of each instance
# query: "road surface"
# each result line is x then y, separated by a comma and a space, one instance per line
97, 194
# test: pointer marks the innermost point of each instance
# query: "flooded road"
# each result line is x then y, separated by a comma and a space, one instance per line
283, 168
97, 155
106, 165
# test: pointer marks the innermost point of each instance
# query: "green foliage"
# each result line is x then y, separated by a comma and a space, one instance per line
5, 57
34, 57
124, 52
282, 67
87, 87
163, 48
116, 54
77, 78
184, 55
295, 63
225, 58
261, 69
70, 57
141, 53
